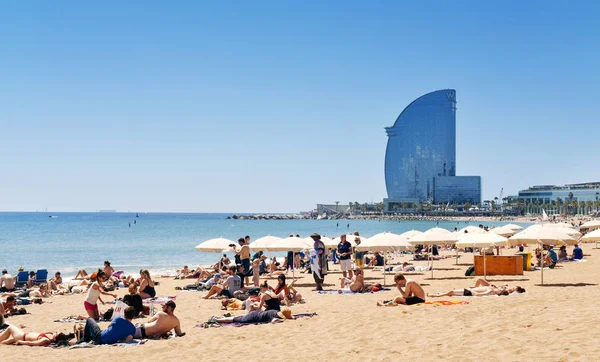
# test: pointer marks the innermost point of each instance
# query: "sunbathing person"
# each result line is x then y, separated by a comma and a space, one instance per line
377, 260
55, 282
7, 282
481, 288
268, 298
15, 335
230, 286
356, 284
162, 323
414, 293
108, 270
232, 304
147, 285
7, 307
32, 280
81, 275
286, 294
258, 316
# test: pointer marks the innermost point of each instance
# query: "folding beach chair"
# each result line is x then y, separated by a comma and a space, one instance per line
22, 278
41, 276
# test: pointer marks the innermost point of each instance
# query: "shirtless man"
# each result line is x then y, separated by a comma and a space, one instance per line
162, 323
7, 282
413, 293
7, 307
356, 284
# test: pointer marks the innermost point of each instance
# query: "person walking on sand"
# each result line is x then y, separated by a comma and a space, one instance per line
413, 293
318, 261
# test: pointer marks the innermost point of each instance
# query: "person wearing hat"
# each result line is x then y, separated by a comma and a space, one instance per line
162, 323
7, 282
259, 316
318, 261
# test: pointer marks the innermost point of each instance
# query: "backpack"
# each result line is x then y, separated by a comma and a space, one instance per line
470, 271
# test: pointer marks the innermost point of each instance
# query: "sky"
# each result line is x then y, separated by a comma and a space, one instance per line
275, 106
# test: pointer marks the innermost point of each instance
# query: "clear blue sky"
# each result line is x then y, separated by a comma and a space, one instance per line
273, 106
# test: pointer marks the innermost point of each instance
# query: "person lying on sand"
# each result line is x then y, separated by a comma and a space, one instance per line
258, 316
162, 323
356, 284
481, 288
15, 335
81, 275
414, 293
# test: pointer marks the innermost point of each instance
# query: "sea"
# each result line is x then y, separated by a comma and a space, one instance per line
160, 242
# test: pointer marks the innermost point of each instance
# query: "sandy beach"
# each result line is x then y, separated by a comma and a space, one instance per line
554, 322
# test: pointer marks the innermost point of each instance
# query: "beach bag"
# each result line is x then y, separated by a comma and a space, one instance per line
119, 309
470, 271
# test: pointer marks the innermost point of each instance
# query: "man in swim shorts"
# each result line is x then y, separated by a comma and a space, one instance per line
412, 294
162, 323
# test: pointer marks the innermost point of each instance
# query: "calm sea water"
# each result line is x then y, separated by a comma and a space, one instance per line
159, 242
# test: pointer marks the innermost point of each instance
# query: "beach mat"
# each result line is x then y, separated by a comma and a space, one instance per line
336, 291
439, 303
133, 343
215, 324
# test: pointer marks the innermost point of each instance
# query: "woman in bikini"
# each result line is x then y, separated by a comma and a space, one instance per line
285, 293
15, 335
147, 285
268, 298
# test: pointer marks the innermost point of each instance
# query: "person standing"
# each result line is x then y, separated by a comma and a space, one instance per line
318, 261
344, 249
244, 255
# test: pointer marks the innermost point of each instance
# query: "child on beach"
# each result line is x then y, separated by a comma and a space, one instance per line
93, 295
256, 272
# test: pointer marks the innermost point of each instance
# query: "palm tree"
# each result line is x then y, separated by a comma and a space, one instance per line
530, 207
467, 206
589, 205
404, 207
519, 204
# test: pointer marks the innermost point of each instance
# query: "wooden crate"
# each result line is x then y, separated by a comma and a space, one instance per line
499, 265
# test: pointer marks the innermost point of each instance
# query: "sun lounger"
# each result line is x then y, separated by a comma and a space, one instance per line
41, 276
22, 278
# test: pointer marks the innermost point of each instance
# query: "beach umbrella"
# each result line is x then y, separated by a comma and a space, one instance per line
571, 232
513, 226
215, 245
503, 231
594, 224
291, 243
409, 234
471, 229
438, 230
332, 243
264, 242
558, 225
542, 235
474, 240
385, 242
591, 237
350, 238
433, 238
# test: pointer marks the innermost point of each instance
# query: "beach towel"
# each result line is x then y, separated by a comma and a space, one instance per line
438, 303
71, 319
135, 342
215, 324
346, 291
158, 300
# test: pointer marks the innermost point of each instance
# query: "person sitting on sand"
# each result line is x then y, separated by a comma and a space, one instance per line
229, 286
562, 254
147, 285
355, 285
258, 316
414, 293
120, 329
108, 270
15, 335
54, 282
7, 282
268, 298
7, 307
183, 273
31, 281
162, 323
224, 262
94, 291
133, 299
377, 260
577, 253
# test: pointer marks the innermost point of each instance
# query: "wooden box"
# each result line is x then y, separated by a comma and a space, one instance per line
499, 265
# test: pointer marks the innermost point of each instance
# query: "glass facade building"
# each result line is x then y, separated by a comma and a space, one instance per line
458, 189
421, 147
